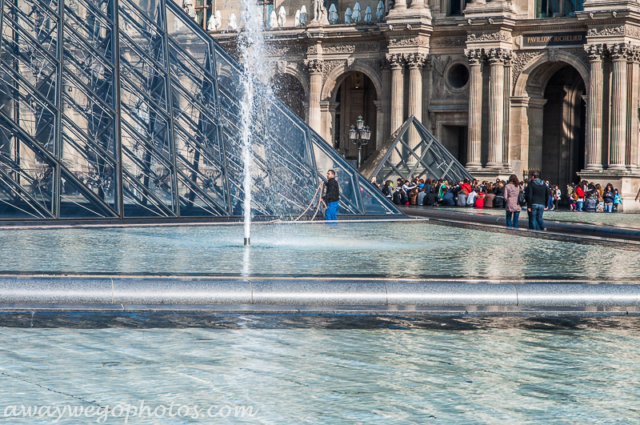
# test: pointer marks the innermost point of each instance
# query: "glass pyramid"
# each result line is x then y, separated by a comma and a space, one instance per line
413, 152
126, 108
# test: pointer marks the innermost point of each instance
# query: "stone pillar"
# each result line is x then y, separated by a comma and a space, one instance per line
594, 109
397, 90
397, 97
315, 67
379, 123
416, 62
386, 98
417, 4
633, 77
496, 107
618, 140
475, 57
506, 163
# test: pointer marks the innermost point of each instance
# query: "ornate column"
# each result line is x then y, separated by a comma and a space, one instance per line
315, 68
397, 90
633, 77
416, 62
496, 59
397, 96
379, 123
594, 109
507, 112
618, 142
386, 98
475, 57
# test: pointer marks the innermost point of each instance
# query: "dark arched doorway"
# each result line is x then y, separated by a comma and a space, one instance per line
287, 88
355, 96
563, 137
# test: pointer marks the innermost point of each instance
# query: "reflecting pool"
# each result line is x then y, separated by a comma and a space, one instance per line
403, 249
333, 376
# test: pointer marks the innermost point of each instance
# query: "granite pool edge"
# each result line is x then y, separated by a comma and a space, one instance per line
144, 292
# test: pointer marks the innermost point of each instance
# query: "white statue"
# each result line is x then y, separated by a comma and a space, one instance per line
347, 16
317, 10
282, 17
212, 24
296, 20
368, 15
303, 15
233, 23
218, 20
189, 9
380, 11
333, 14
273, 20
177, 24
355, 15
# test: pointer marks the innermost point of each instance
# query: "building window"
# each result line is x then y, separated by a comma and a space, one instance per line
556, 8
456, 7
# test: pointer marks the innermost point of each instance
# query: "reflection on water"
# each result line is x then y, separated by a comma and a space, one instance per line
405, 249
334, 376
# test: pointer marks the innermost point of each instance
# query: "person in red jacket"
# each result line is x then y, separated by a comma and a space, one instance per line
580, 200
479, 199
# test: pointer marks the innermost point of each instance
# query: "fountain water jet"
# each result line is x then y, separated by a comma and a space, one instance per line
255, 82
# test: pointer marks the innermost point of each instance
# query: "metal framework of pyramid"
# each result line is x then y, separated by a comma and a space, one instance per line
414, 152
120, 109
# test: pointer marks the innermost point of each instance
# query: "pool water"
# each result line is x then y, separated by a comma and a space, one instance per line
399, 249
314, 375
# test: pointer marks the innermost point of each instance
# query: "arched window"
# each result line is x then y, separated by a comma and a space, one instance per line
456, 7
556, 8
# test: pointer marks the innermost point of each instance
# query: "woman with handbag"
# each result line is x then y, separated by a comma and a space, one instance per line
512, 201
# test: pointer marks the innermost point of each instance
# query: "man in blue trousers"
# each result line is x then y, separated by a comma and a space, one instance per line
331, 196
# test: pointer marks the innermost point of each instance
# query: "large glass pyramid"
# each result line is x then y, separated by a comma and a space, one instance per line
412, 151
126, 108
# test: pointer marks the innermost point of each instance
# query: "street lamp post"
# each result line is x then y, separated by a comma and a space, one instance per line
360, 134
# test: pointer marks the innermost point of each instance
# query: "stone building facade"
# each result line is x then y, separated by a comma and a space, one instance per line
507, 87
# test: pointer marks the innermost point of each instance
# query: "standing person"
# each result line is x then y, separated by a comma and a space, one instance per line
331, 196
489, 197
608, 196
579, 196
511, 196
498, 202
617, 201
556, 197
536, 195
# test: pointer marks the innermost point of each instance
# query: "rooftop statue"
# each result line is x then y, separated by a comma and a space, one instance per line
333, 14
303, 15
282, 17
296, 20
356, 16
368, 15
380, 11
347, 16
233, 23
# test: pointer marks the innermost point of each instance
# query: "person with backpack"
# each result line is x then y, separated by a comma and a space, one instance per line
511, 199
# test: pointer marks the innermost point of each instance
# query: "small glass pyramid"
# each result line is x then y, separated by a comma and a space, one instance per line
413, 152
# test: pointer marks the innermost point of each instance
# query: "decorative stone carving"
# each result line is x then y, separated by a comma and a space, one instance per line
474, 56
622, 30
331, 65
520, 60
619, 51
312, 50
491, 36
498, 55
595, 52
314, 66
408, 42
340, 48
416, 60
396, 60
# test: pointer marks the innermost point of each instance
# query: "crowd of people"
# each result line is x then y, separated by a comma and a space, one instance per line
535, 195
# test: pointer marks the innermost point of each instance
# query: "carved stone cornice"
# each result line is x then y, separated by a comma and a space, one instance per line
520, 60
617, 31
314, 66
474, 56
595, 52
409, 42
489, 36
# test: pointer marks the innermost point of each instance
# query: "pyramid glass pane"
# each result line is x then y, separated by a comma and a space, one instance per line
118, 109
414, 152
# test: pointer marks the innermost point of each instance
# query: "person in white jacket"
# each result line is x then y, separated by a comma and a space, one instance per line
471, 199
